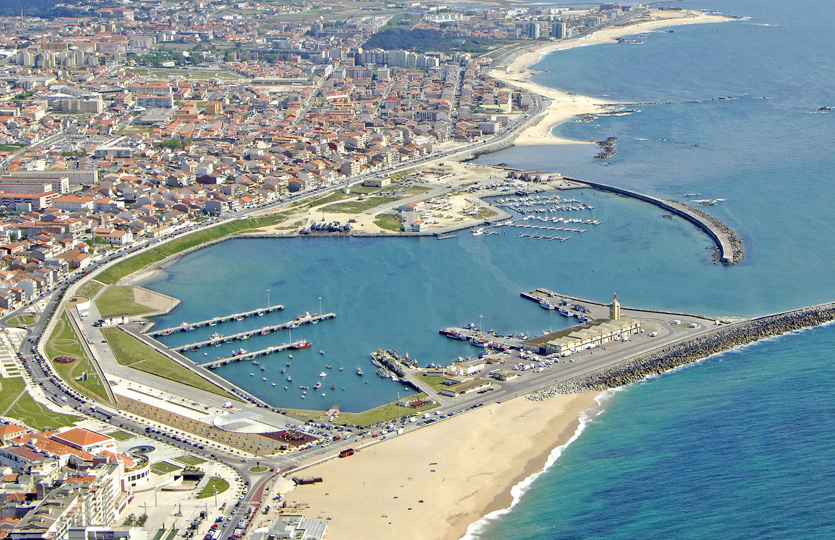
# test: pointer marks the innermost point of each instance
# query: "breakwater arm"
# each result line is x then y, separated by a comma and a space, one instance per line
692, 350
728, 243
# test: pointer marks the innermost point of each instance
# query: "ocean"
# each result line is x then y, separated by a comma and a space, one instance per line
737, 446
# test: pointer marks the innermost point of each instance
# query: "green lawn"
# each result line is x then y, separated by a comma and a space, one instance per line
214, 483
389, 222
329, 198
133, 353
485, 213
190, 460
121, 435
157, 254
163, 467
22, 320
435, 383
90, 289
26, 410
383, 413
65, 342
258, 469
120, 301
356, 207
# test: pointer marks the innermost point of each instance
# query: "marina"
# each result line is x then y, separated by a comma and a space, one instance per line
245, 356
217, 339
187, 326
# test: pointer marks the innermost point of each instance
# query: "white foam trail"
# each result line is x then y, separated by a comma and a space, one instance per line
476, 528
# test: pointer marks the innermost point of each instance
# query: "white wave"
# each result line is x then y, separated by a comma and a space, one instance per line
476, 528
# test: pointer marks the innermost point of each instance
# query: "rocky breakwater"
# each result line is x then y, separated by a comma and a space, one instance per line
692, 350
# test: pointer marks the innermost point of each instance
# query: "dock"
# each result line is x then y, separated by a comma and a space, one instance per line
264, 330
186, 326
480, 338
301, 344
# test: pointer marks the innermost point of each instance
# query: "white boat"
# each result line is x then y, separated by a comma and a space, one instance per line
323, 374
545, 304
478, 232
359, 371
321, 352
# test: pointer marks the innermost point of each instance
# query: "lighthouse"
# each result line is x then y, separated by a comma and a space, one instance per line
614, 309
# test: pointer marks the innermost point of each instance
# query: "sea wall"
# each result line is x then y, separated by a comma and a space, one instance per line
693, 350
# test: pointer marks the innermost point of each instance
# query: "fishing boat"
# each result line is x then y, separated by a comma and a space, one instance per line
304, 387
239, 352
317, 386
215, 336
265, 332
186, 327
545, 304
303, 344
321, 352
359, 371
239, 318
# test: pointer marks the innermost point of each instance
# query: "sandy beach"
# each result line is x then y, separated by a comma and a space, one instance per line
564, 105
433, 483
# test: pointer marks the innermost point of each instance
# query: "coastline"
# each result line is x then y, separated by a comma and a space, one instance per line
441, 480
566, 105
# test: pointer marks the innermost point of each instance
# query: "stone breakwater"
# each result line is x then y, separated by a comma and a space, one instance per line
730, 234
693, 350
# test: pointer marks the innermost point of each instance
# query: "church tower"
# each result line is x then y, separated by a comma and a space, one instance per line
614, 309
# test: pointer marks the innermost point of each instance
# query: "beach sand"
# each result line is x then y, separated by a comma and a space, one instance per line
433, 483
564, 105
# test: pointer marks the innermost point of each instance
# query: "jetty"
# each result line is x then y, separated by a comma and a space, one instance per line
480, 338
728, 244
263, 331
301, 344
187, 327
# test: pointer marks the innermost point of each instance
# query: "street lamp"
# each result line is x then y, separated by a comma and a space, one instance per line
479, 323
320, 305
268, 298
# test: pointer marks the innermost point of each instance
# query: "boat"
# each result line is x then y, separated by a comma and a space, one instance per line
328, 366
255, 362
263, 368
304, 387
333, 387
283, 370
545, 304
290, 356
321, 352
323, 374
239, 352
303, 344
317, 386
477, 232
273, 384
323, 394
186, 327
213, 322
342, 369
359, 371
263, 378
265, 332
260, 313
289, 378
215, 336
245, 337
240, 318
252, 374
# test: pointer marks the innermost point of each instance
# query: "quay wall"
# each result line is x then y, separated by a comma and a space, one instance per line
727, 241
687, 352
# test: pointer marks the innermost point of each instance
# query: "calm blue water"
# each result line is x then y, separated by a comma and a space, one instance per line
736, 447
739, 446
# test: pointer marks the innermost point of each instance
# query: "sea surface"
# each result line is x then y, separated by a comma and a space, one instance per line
737, 446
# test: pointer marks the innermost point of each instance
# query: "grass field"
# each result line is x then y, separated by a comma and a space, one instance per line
356, 207
65, 342
157, 254
22, 320
434, 383
15, 402
163, 467
121, 435
90, 289
190, 460
120, 301
389, 222
214, 483
133, 353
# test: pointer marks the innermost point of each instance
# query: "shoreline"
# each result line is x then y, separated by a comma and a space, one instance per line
564, 106
479, 470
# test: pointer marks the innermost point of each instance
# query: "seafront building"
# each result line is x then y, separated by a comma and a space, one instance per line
586, 335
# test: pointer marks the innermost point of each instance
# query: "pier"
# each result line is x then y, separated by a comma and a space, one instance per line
727, 242
301, 344
480, 338
265, 330
186, 327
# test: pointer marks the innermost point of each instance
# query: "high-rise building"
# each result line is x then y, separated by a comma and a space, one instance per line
533, 30
559, 30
